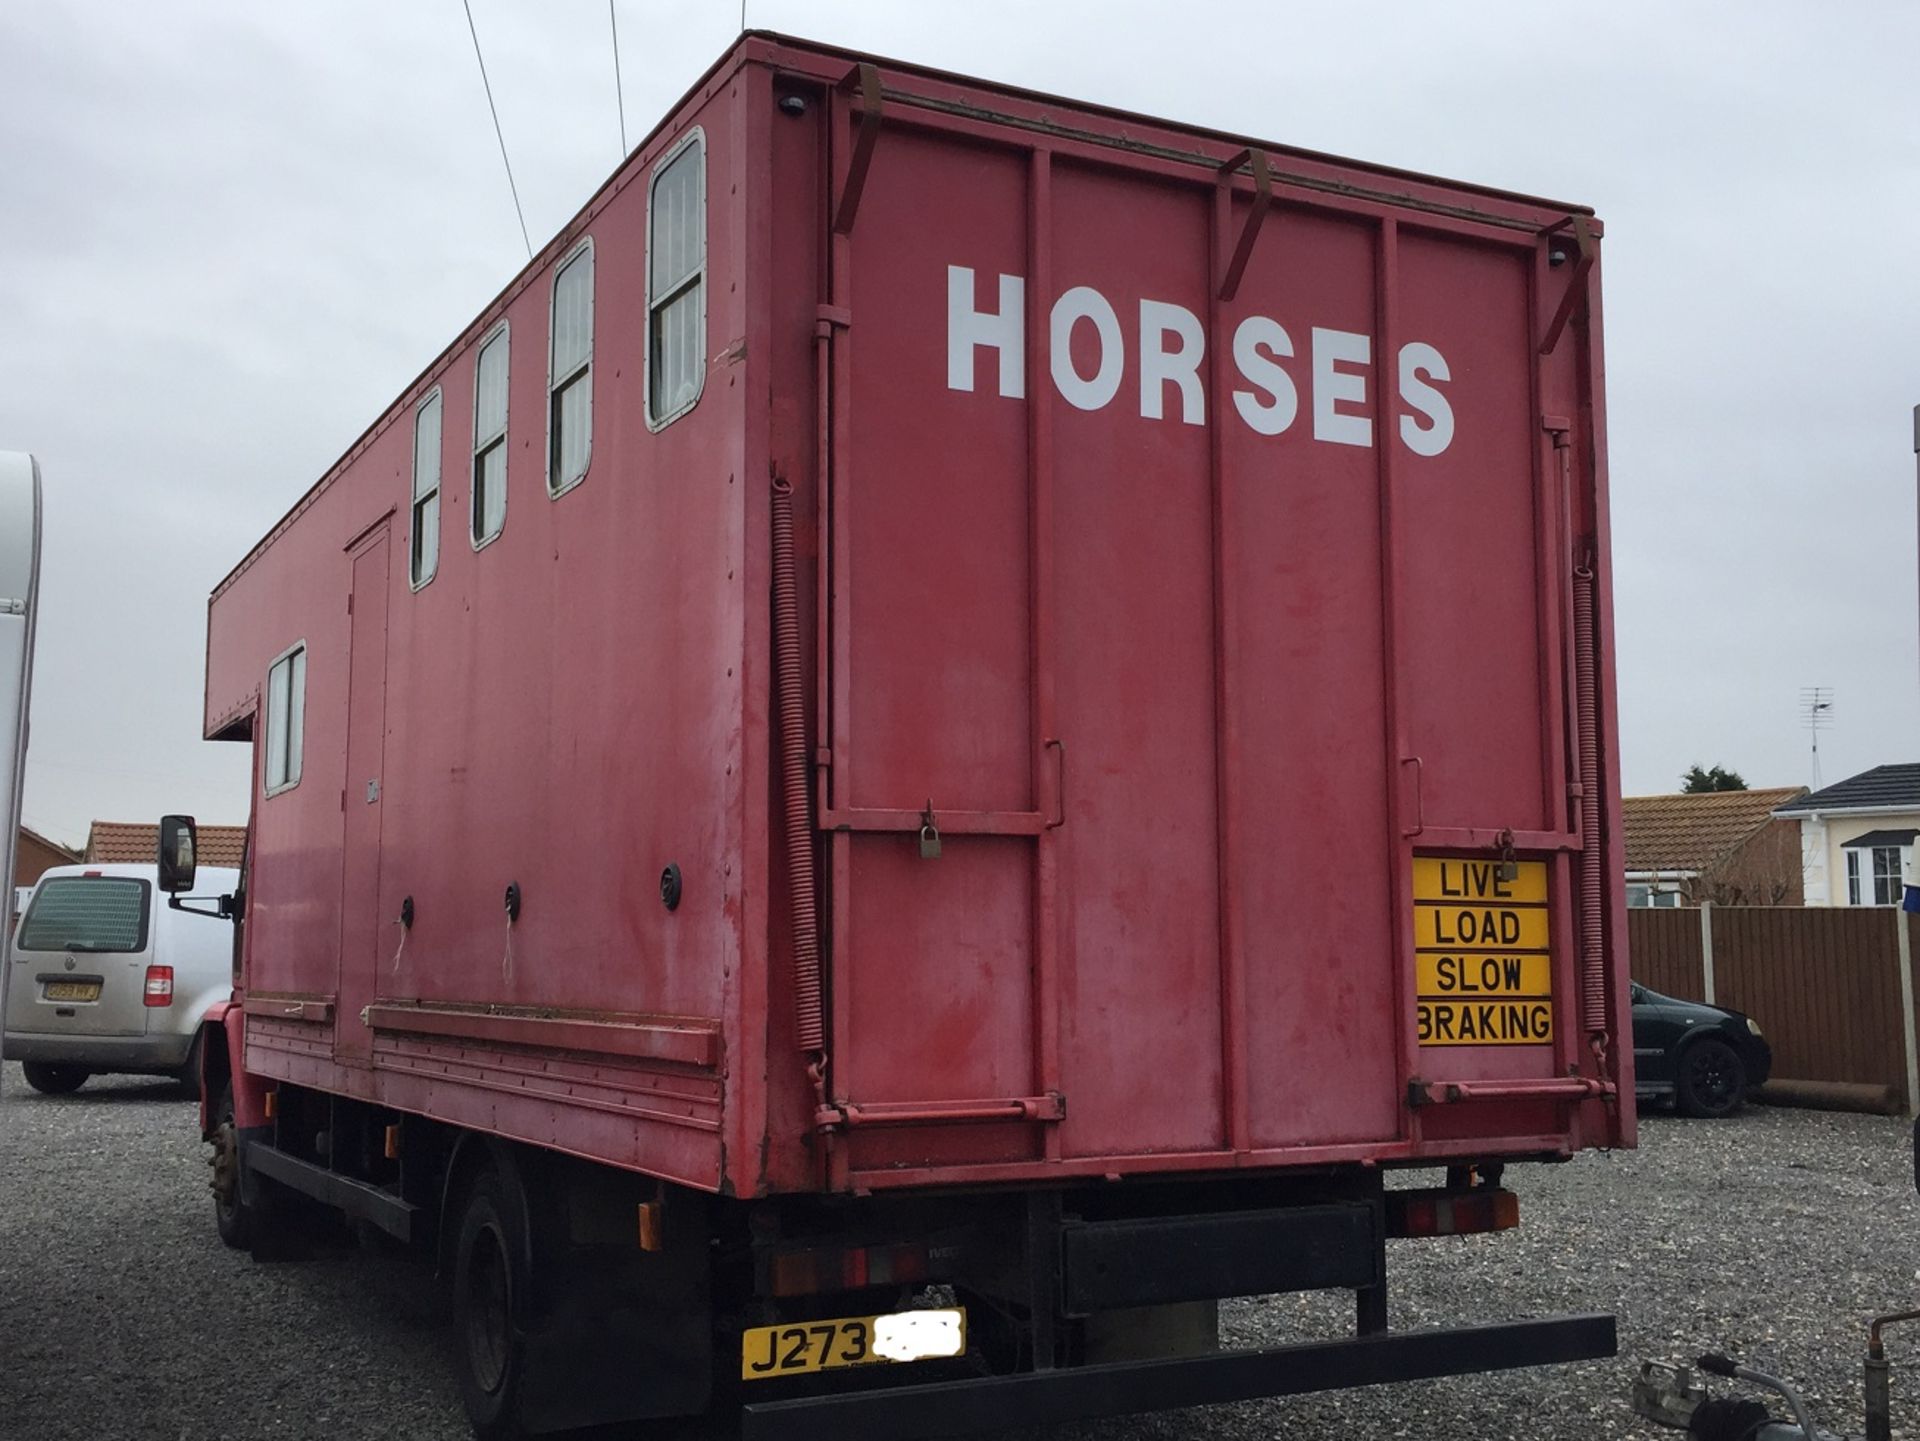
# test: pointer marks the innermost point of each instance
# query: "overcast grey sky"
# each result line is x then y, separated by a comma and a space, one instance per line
231, 233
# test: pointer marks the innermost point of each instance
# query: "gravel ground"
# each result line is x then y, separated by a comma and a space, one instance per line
1774, 1235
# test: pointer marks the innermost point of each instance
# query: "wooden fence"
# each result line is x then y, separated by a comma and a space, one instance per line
1824, 983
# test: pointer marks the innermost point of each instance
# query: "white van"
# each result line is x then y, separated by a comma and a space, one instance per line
104, 976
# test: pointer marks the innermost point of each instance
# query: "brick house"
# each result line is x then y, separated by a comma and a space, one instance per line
1728, 847
34, 855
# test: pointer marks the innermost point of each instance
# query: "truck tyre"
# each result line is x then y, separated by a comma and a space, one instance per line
239, 1221
491, 1287
1712, 1080
51, 1079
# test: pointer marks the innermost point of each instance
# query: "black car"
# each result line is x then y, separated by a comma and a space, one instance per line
1705, 1058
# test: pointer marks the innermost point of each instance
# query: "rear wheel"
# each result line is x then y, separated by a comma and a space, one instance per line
52, 1079
490, 1291
1712, 1080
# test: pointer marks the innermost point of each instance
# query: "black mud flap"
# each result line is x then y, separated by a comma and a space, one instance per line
621, 1334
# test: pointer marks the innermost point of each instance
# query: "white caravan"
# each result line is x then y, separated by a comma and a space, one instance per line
19, 596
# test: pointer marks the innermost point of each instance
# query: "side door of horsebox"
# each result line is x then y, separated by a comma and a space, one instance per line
79, 958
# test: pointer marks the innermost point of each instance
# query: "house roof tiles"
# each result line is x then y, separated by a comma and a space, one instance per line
1894, 787
1695, 832
115, 841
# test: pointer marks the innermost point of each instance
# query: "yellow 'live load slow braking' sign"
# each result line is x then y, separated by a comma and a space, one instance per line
1483, 967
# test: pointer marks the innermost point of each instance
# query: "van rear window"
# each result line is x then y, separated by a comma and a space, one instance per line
86, 913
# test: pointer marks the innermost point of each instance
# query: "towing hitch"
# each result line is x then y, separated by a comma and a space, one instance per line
1671, 1394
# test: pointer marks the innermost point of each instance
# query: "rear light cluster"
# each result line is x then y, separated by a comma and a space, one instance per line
159, 990
1451, 1213
806, 1273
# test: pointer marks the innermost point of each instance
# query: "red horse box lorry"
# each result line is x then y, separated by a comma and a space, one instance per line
956, 706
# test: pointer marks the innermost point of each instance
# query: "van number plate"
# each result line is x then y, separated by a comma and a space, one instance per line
769, 1351
73, 990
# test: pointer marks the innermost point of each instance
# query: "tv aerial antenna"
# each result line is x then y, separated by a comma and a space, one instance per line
1816, 714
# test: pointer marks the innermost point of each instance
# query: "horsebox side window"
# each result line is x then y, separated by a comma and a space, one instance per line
424, 550
676, 276
286, 719
86, 913
490, 438
570, 373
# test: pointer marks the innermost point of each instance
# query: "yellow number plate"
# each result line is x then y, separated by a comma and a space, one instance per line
73, 990
803, 1346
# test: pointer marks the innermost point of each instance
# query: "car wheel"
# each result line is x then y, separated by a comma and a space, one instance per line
52, 1079
490, 1289
238, 1221
1712, 1080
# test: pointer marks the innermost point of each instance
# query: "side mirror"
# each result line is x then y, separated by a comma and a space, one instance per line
177, 837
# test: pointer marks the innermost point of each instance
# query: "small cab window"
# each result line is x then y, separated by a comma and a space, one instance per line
676, 271
570, 373
86, 913
286, 719
490, 439
424, 552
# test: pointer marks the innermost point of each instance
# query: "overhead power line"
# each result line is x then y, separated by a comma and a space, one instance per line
619, 90
494, 111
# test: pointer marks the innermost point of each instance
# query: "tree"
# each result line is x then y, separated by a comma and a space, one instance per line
1698, 781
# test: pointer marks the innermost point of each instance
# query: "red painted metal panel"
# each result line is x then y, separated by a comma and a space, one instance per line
1306, 568
1133, 552
936, 604
1192, 572
1474, 613
940, 1008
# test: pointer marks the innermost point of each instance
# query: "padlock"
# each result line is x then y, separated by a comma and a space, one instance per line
929, 842
1507, 869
